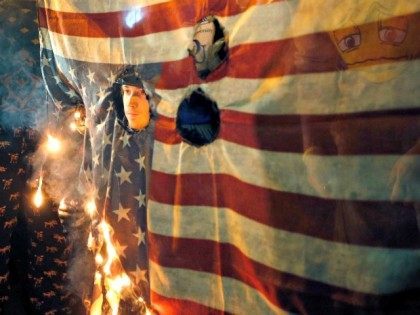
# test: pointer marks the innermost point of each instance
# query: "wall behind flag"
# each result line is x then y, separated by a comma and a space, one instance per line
22, 94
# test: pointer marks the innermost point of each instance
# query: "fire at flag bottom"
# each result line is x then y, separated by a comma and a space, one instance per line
289, 210
111, 282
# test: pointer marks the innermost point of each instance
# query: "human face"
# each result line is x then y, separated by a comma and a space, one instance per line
202, 41
136, 106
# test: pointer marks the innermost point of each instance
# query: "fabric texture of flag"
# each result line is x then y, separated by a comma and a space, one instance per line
308, 200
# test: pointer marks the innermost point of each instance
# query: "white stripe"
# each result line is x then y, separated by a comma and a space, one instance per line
213, 291
363, 269
338, 177
138, 50
165, 46
95, 6
248, 27
348, 91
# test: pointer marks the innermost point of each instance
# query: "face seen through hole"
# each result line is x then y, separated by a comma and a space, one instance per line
136, 106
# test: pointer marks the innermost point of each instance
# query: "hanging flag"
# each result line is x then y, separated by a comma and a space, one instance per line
306, 201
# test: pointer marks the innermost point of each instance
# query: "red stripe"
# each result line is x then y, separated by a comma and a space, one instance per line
171, 306
281, 289
393, 132
253, 61
335, 220
160, 17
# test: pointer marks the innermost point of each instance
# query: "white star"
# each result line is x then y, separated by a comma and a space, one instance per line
140, 161
57, 79
102, 94
71, 93
124, 176
122, 213
120, 249
106, 140
110, 107
125, 139
45, 61
141, 198
90, 76
71, 71
140, 236
83, 89
139, 275
95, 159
92, 110
112, 77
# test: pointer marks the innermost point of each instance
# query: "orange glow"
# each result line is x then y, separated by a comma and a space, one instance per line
77, 115
111, 281
62, 205
38, 198
53, 144
90, 208
99, 259
73, 126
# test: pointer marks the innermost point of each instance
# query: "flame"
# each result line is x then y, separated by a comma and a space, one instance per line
62, 205
99, 259
73, 126
90, 208
111, 282
77, 115
53, 144
110, 249
38, 198
91, 242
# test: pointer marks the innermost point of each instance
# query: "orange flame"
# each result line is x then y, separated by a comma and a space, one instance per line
111, 281
77, 115
73, 126
90, 208
62, 205
53, 144
38, 198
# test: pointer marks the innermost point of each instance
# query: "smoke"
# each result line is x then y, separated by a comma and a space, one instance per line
61, 173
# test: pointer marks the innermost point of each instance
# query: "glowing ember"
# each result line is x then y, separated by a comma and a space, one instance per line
62, 205
77, 115
90, 208
73, 126
53, 144
38, 198
99, 259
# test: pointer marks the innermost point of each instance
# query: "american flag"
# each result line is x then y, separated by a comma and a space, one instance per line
306, 202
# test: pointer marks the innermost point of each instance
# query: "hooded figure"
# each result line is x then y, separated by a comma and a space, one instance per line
134, 100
